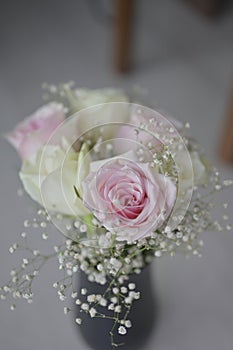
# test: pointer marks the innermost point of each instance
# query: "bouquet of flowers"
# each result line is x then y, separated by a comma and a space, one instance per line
124, 183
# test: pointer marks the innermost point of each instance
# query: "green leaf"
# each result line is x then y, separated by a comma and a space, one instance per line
76, 192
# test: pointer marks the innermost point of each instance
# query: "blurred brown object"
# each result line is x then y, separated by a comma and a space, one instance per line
124, 13
209, 8
124, 18
226, 145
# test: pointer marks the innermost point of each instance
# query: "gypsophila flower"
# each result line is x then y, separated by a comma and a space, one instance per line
100, 267
128, 300
83, 291
78, 321
114, 300
111, 306
118, 308
85, 307
103, 302
92, 312
158, 253
91, 298
128, 323
132, 286
66, 310
122, 330
45, 236
115, 290
115, 263
98, 297
12, 307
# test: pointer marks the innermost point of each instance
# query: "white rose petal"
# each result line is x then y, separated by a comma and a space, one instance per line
49, 178
88, 97
192, 171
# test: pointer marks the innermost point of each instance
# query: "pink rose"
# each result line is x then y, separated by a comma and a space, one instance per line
147, 123
130, 199
35, 131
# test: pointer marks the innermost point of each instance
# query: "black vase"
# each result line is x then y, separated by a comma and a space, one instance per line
143, 315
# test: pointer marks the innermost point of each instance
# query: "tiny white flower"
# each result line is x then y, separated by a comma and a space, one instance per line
92, 312
114, 300
132, 294
163, 244
85, 307
132, 286
98, 297
115, 263
118, 308
111, 306
122, 330
104, 242
103, 302
167, 229
78, 321
100, 267
84, 266
128, 323
91, 298
83, 291
128, 300
158, 253
124, 290
121, 279
101, 279
83, 228
66, 310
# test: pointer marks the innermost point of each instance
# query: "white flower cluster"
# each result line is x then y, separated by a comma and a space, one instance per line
109, 255
109, 263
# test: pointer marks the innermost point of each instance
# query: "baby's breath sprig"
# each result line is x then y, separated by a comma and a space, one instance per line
22, 278
64, 93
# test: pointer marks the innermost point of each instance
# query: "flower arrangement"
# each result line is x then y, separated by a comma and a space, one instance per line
123, 182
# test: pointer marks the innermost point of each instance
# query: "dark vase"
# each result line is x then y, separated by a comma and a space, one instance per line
143, 315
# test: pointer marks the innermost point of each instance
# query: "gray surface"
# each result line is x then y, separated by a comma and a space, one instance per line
186, 63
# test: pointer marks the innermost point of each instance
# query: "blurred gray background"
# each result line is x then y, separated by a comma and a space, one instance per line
185, 62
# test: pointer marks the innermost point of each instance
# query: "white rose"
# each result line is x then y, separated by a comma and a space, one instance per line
87, 123
49, 178
192, 173
87, 97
